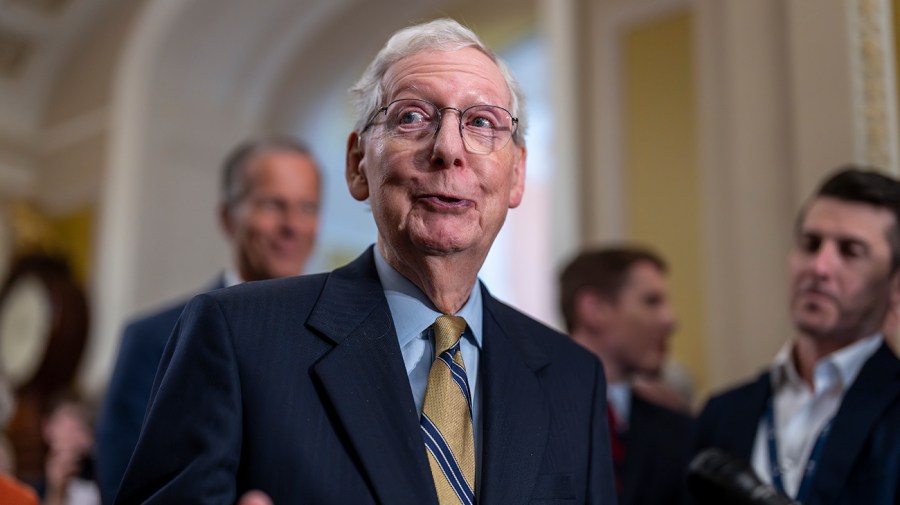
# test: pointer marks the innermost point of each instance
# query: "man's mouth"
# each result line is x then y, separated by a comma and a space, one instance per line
813, 298
815, 291
445, 201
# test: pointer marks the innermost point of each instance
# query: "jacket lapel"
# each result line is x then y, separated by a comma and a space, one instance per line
515, 414
638, 448
363, 378
872, 392
745, 418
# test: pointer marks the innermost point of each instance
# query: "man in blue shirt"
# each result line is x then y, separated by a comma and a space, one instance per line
397, 379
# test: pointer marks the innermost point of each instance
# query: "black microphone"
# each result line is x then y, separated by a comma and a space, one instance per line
718, 478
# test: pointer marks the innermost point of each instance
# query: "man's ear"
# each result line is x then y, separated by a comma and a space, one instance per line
517, 188
226, 219
895, 291
592, 310
891, 327
355, 172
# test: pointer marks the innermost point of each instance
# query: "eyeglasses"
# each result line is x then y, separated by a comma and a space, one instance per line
484, 128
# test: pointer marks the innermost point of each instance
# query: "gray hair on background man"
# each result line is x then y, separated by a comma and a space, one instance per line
233, 184
438, 35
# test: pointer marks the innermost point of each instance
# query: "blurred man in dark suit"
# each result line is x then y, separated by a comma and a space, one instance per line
616, 304
269, 211
822, 424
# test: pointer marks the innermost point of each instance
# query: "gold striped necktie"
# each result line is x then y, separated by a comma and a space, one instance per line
447, 417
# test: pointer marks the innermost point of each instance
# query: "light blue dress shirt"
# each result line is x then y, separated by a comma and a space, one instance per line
413, 314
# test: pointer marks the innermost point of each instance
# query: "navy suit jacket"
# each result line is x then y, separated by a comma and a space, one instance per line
297, 387
860, 463
658, 449
128, 393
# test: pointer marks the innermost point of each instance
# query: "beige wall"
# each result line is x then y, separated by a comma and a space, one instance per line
661, 174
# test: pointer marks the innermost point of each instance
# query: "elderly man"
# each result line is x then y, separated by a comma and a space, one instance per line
269, 212
397, 379
823, 423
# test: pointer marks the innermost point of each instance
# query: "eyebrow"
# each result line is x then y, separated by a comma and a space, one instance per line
837, 237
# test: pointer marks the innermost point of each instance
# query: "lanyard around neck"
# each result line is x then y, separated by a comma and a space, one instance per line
775, 469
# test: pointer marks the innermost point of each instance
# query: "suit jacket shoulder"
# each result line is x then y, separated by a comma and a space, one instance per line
730, 419
860, 462
153, 328
536, 340
122, 411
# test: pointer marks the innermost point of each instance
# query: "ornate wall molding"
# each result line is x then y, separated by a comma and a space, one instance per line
874, 83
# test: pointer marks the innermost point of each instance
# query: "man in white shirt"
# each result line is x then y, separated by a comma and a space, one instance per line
822, 425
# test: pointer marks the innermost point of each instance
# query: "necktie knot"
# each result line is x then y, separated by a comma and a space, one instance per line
447, 332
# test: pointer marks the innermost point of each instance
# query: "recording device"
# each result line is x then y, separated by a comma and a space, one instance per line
718, 478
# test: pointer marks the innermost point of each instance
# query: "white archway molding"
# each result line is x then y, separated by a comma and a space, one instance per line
115, 243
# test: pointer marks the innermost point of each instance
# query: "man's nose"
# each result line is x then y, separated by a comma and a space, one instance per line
669, 319
824, 259
448, 142
295, 218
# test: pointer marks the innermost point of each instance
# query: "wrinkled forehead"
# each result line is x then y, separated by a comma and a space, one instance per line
460, 77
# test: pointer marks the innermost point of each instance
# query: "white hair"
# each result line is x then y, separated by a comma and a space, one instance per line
438, 35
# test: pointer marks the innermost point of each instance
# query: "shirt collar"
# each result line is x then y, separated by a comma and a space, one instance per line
231, 278
843, 365
618, 394
413, 312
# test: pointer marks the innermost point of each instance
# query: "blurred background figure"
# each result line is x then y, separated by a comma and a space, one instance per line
69, 463
7, 407
822, 423
672, 387
12, 491
270, 190
616, 304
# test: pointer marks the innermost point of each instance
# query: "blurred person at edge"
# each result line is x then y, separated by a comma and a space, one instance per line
615, 302
69, 477
269, 211
397, 379
822, 423
12, 490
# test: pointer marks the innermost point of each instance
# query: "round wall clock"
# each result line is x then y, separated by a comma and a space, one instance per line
6, 241
43, 332
43, 324
26, 316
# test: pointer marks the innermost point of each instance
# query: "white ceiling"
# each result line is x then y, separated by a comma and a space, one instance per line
36, 38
